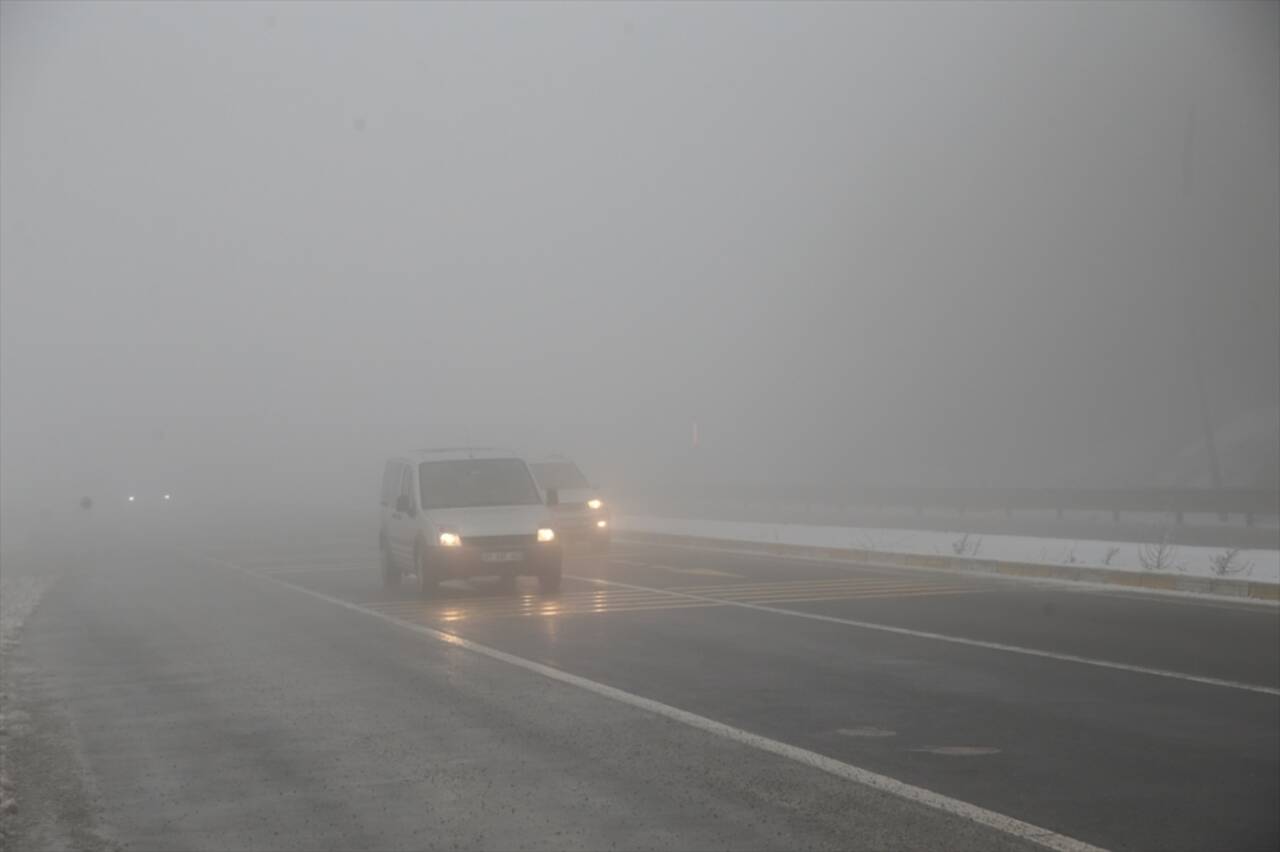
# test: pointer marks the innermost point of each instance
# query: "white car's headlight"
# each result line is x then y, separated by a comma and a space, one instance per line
594, 503
546, 534
450, 539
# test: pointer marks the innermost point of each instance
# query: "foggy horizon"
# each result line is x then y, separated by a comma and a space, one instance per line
262, 246
640, 425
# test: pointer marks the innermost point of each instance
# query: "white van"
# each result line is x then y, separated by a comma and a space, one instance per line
467, 512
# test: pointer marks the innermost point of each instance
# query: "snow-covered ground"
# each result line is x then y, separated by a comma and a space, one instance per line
18, 596
20, 591
1256, 565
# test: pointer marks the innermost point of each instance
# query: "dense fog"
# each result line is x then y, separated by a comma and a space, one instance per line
248, 250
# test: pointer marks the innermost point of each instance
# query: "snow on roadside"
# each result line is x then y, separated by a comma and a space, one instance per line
19, 594
1257, 565
18, 597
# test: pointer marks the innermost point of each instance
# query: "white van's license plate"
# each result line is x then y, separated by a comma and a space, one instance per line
502, 556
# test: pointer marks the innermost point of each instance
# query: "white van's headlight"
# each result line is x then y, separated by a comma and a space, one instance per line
594, 503
546, 534
450, 539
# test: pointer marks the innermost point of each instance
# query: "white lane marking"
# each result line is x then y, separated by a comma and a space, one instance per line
857, 582
1173, 597
960, 640
958, 751
782, 595
866, 731
845, 583
964, 810
1082, 587
478, 604
858, 596
546, 608
698, 572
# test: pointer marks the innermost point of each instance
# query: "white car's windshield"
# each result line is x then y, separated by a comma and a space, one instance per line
559, 475
463, 483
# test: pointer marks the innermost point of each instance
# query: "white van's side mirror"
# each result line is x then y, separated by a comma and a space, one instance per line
404, 503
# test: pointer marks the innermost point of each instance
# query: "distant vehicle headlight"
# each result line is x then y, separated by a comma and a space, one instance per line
449, 539
546, 534
167, 496
130, 498
602, 523
594, 503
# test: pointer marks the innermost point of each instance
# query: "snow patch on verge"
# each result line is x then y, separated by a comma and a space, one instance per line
18, 597
1140, 557
19, 594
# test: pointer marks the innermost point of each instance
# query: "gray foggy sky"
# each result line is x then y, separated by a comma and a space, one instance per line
910, 243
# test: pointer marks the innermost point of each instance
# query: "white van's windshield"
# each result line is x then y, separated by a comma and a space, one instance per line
465, 483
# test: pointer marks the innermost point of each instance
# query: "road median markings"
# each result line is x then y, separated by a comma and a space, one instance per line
546, 608
957, 640
838, 583
891, 786
957, 751
696, 572
1267, 594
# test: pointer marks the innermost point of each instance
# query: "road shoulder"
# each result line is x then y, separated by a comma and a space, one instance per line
47, 800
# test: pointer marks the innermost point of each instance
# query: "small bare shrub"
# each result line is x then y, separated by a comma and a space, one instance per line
1229, 562
1159, 556
966, 545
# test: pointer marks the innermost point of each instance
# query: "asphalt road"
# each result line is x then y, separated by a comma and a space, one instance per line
268, 693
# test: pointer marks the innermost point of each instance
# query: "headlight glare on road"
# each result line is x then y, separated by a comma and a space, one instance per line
601, 524
546, 534
450, 539
594, 503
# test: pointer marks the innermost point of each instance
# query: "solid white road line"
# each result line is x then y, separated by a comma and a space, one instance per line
964, 810
955, 640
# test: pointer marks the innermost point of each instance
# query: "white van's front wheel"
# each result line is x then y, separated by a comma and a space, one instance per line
390, 573
428, 583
